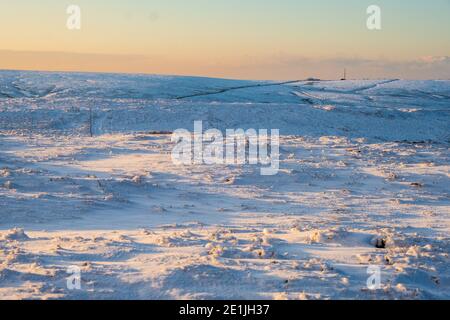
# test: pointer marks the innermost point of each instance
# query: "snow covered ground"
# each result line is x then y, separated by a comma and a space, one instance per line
363, 182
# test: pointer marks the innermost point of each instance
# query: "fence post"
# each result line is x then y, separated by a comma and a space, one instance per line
91, 120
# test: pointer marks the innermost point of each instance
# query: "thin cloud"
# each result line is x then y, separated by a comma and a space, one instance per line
279, 66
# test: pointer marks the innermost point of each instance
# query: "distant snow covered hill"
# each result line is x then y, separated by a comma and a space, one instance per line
378, 110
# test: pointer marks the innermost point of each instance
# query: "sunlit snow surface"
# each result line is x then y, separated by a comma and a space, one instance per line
360, 161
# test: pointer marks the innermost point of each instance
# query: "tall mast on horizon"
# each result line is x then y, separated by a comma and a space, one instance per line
345, 74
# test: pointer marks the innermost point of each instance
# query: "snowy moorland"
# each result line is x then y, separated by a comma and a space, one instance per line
87, 180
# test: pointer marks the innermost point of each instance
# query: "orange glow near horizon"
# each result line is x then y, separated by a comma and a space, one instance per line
253, 40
